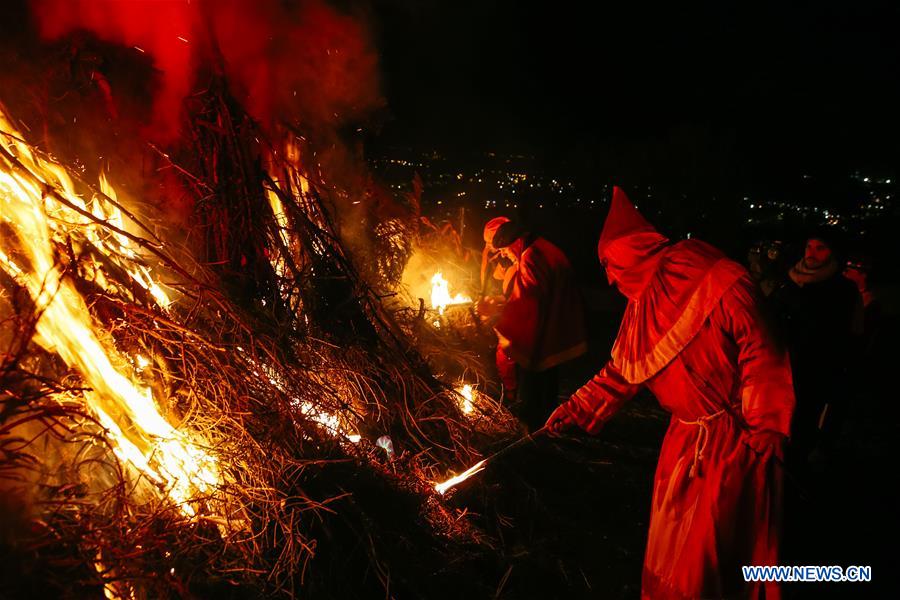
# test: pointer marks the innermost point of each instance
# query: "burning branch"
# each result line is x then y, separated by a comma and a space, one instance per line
39, 222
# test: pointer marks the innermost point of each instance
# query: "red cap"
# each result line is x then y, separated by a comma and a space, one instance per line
490, 230
491, 227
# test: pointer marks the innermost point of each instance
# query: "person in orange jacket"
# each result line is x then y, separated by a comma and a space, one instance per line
490, 304
540, 325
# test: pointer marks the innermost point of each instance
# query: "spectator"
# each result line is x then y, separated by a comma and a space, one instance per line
821, 316
766, 266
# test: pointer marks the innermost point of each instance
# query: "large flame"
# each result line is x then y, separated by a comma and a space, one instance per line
440, 294
41, 210
442, 487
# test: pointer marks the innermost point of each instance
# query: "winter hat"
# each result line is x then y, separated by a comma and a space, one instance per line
507, 234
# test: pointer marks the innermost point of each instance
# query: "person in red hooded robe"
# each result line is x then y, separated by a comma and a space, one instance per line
693, 335
541, 323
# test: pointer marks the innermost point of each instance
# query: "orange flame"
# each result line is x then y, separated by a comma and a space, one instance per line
440, 294
42, 209
467, 402
442, 487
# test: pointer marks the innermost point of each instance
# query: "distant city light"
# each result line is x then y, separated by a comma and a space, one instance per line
526, 183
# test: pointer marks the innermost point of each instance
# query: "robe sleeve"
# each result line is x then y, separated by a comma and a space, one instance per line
522, 319
766, 389
600, 398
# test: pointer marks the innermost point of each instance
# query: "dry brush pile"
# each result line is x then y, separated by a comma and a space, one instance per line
228, 410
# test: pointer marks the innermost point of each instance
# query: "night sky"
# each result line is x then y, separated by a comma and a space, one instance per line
743, 94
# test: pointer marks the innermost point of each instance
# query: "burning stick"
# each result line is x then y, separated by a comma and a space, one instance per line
442, 487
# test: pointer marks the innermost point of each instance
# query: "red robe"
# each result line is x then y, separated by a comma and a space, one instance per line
542, 324
692, 334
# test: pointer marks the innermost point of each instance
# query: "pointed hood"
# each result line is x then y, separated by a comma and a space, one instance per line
629, 246
622, 220
671, 288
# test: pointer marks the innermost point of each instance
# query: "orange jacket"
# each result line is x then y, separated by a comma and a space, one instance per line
542, 324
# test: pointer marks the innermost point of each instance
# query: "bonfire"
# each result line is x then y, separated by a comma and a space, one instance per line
190, 412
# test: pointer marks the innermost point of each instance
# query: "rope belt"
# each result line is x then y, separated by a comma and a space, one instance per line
702, 438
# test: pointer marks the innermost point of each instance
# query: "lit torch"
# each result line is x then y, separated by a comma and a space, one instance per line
442, 487
457, 479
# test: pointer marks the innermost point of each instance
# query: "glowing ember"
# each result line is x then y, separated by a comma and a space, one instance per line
110, 589
331, 423
37, 222
466, 404
441, 488
440, 294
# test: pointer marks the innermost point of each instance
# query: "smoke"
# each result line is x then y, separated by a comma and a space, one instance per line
159, 29
315, 66
300, 61
115, 75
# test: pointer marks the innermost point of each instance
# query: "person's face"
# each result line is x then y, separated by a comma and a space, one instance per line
508, 254
817, 254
